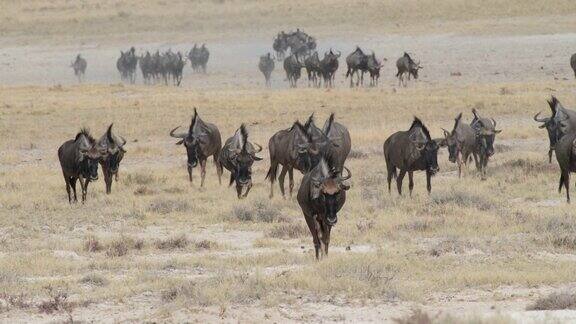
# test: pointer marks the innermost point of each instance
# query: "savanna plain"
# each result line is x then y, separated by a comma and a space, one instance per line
162, 249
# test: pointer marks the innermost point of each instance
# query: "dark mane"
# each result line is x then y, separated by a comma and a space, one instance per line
85, 132
553, 102
408, 57
244, 134
109, 133
418, 123
456, 122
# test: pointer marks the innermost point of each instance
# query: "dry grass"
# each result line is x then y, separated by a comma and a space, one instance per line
555, 301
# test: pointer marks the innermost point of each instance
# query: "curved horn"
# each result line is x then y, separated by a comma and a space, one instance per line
347, 176
445, 132
494, 121
259, 149
541, 120
178, 135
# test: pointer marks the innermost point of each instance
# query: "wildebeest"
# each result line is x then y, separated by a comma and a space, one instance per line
126, 65
312, 64
237, 156
573, 63
374, 67
357, 63
266, 66
299, 42
321, 195
110, 162
328, 68
79, 65
461, 142
293, 148
410, 151
280, 46
199, 58
566, 157
202, 140
168, 66
338, 144
485, 135
406, 67
79, 161
560, 122
293, 69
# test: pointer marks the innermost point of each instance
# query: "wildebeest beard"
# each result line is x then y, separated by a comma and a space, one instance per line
486, 143
113, 161
89, 168
192, 149
431, 157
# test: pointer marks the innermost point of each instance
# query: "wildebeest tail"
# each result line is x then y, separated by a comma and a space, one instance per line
271, 175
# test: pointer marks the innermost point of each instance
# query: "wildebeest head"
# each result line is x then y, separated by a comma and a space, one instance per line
413, 67
191, 140
451, 140
243, 155
89, 154
485, 132
426, 147
553, 124
308, 152
326, 188
113, 147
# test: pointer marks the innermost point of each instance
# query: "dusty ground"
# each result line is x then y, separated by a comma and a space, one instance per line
168, 251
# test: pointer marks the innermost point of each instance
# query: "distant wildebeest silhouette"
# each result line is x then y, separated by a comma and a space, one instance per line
79, 65
486, 131
266, 66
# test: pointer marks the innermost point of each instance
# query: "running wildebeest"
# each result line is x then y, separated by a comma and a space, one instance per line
406, 68
292, 148
79, 65
562, 120
199, 58
202, 140
110, 162
566, 157
237, 156
410, 151
79, 161
328, 68
293, 69
312, 64
573, 63
321, 195
485, 135
280, 46
461, 142
126, 65
357, 63
266, 66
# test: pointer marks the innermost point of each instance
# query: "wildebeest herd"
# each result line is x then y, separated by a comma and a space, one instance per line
320, 154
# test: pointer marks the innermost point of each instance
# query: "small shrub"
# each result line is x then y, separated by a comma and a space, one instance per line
57, 302
94, 280
120, 246
288, 231
142, 179
205, 245
260, 211
91, 244
355, 154
555, 301
144, 191
172, 243
464, 199
168, 206
417, 317
365, 225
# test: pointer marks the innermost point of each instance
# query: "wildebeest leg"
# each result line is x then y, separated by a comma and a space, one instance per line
326, 238
291, 179
84, 186
116, 174
202, 171
320, 234
475, 156
310, 220
219, 169
566, 177
67, 180
239, 190
108, 181
281, 180
550, 155
391, 173
410, 181
459, 162
73, 184
428, 182
399, 181
190, 174
247, 190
